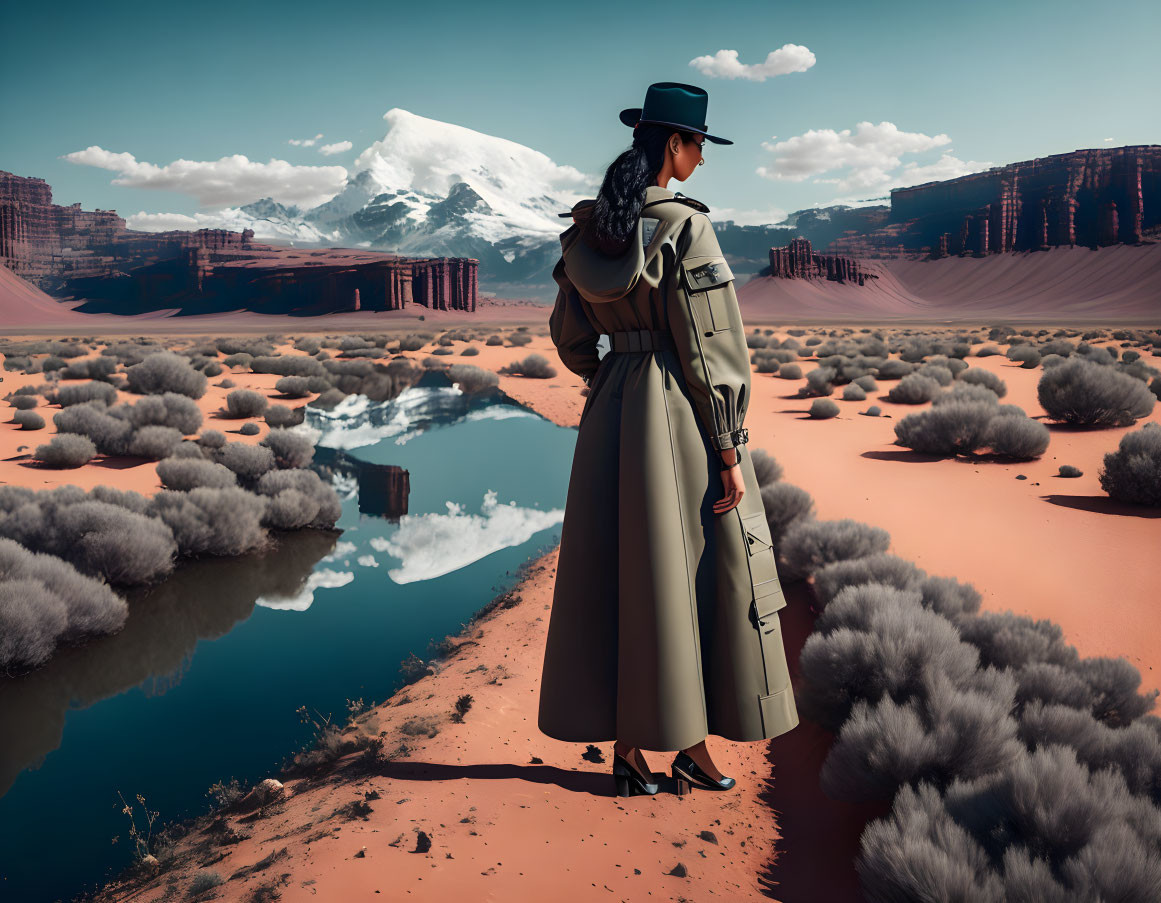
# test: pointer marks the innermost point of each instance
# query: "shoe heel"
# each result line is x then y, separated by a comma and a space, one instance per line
682, 787
623, 788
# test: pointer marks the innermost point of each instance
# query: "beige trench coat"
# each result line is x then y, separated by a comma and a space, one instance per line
664, 626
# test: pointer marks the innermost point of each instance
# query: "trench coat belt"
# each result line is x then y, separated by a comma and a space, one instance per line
641, 340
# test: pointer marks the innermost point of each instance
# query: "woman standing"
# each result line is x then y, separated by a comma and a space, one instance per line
664, 625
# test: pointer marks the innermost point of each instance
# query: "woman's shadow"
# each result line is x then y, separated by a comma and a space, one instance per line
815, 856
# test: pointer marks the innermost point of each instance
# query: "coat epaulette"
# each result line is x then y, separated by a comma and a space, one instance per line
693, 202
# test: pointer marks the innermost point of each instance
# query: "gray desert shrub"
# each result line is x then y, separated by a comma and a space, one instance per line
245, 403
790, 371
327, 400
188, 448
823, 408
239, 359
893, 368
472, 379
1134, 750
212, 439
882, 568
17, 362
1068, 470
212, 368
443, 351
288, 365
1018, 437
947, 429
166, 409
248, 461
290, 509
307, 482
866, 382
219, 522
154, 442
32, 617
766, 468
979, 376
810, 544
494, 340
966, 391
91, 368
1081, 392
1025, 355
293, 386
873, 411
535, 366
988, 351
249, 429
469, 351
166, 371
110, 434
938, 372
919, 852
819, 381
765, 363
66, 450
203, 880
949, 597
784, 503
411, 343
1008, 640
28, 420
914, 388
872, 641
82, 392
183, 474
854, 392
1133, 472
99, 538
519, 339
943, 732
24, 402
317, 384
291, 449
281, 415
307, 345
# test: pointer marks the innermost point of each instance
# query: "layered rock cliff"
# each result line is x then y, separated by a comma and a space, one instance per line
70, 252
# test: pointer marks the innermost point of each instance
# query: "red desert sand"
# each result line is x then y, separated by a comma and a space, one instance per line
503, 827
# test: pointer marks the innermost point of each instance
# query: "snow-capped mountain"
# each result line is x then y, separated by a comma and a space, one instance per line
430, 188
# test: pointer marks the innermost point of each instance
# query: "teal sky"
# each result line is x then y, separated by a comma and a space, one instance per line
163, 82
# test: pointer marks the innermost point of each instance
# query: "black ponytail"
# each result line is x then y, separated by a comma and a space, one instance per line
618, 206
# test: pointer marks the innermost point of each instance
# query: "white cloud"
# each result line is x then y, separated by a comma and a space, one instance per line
324, 578
871, 156
1110, 139
367, 561
328, 150
231, 180
305, 142
725, 63
430, 545
765, 217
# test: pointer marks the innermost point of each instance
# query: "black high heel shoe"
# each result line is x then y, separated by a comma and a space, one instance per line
628, 779
689, 774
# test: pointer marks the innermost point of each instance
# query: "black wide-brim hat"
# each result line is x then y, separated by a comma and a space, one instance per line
674, 104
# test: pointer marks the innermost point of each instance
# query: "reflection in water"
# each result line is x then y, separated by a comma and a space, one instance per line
202, 599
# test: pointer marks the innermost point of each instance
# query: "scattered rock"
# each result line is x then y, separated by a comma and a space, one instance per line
422, 842
362, 854
708, 836
536, 760
678, 871
593, 754
263, 794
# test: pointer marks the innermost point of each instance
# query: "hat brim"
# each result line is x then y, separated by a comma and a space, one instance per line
632, 115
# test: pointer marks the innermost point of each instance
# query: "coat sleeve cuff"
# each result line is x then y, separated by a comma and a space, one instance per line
734, 438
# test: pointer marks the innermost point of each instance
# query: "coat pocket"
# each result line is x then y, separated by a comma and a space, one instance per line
768, 595
708, 279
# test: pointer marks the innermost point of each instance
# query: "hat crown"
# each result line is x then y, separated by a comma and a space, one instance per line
676, 102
